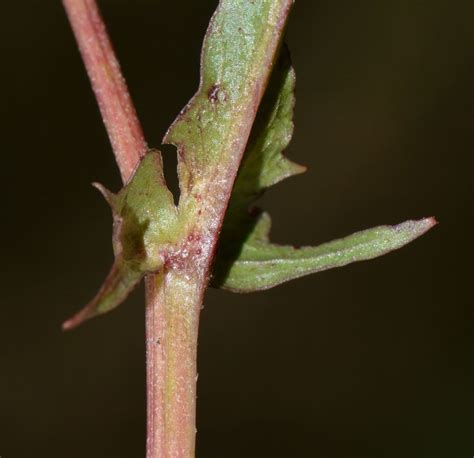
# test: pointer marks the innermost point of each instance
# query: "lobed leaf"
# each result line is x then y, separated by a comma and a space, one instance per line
145, 223
264, 164
246, 260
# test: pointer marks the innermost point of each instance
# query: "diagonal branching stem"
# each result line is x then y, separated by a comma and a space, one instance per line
115, 103
173, 302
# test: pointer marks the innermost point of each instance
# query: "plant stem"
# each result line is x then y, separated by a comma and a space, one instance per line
116, 106
173, 306
173, 297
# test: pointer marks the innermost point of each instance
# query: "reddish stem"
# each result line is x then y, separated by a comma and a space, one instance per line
115, 103
171, 322
173, 306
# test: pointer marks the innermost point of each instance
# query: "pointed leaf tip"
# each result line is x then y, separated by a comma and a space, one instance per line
416, 227
109, 196
115, 289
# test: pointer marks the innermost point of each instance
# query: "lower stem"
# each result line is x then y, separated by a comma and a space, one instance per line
172, 320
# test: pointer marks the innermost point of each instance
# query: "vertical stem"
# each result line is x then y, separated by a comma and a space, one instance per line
173, 298
173, 306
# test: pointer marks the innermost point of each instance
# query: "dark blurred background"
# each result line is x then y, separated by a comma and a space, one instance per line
371, 361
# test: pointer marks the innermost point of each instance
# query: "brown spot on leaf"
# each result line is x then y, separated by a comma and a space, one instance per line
216, 94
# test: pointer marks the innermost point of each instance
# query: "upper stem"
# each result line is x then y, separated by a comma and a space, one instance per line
116, 106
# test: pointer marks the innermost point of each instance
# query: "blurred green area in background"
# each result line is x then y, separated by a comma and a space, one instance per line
371, 361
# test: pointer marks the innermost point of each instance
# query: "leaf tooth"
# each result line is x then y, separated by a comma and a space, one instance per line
287, 169
109, 196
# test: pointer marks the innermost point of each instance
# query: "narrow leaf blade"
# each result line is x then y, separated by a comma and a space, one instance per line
261, 265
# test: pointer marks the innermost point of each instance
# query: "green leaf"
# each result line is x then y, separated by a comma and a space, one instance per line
246, 260
145, 226
262, 265
264, 163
